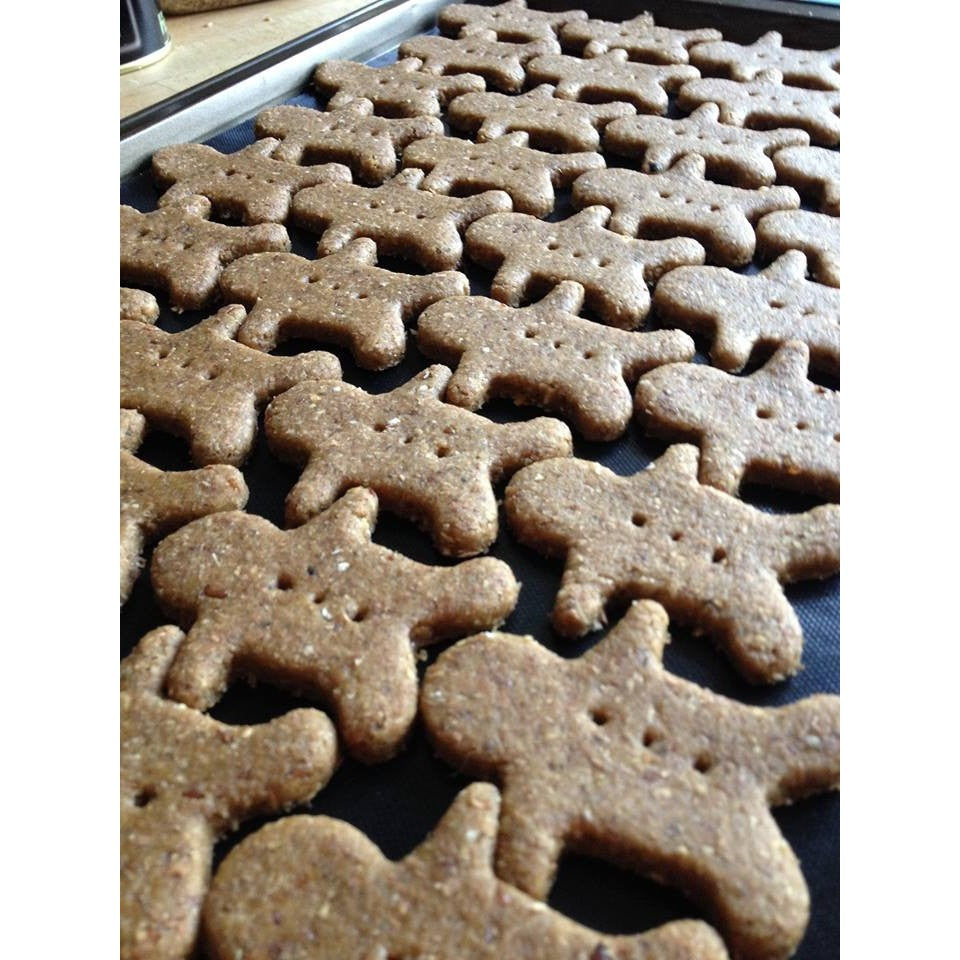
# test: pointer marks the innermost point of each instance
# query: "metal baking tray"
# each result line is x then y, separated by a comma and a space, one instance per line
397, 803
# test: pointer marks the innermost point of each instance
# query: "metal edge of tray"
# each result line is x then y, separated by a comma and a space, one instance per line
234, 95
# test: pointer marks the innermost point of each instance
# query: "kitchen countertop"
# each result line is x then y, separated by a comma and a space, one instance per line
206, 44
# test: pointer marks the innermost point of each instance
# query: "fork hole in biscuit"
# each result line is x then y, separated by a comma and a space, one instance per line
802, 425
319, 597
379, 427
442, 451
284, 582
764, 414
358, 615
144, 797
599, 716
836, 437
651, 737
777, 304
719, 555
676, 536
638, 520
703, 763
530, 334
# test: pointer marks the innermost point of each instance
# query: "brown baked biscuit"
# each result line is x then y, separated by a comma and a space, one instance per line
611, 755
531, 255
561, 125
681, 203
500, 64
367, 144
322, 885
179, 250
400, 89
343, 298
735, 155
512, 20
814, 172
641, 38
138, 305
709, 558
319, 609
247, 185
815, 234
427, 460
401, 219
611, 77
506, 163
774, 425
741, 312
187, 779
154, 502
545, 355
818, 69
765, 102
204, 386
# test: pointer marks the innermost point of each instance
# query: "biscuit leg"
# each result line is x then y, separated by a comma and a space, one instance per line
731, 348
470, 384
579, 607
374, 689
510, 283
529, 844
720, 466
146, 667
262, 327
465, 523
210, 443
201, 671
801, 752
763, 636
316, 489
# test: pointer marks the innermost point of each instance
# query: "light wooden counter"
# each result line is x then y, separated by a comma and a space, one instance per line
205, 44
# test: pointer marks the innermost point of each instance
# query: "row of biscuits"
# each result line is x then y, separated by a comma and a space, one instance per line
308, 608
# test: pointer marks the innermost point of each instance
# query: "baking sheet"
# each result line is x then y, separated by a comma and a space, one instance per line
396, 804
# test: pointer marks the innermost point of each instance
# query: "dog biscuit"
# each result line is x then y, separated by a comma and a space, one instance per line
427, 460
545, 355
319, 609
659, 534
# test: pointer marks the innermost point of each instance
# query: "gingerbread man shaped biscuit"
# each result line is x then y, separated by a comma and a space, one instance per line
709, 558
248, 185
611, 755
736, 155
352, 135
642, 39
187, 779
553, 124
682, 202
766, 101
399, 89
204, 386
342, 298
154, 502
613, 269
775, 425
426, 459
512, 20
546, 355
179, 249
321, 884
402, 219
819, 69
743, 311
320, 609
500, 64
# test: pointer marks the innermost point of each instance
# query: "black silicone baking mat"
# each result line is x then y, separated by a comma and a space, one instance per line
396, 804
